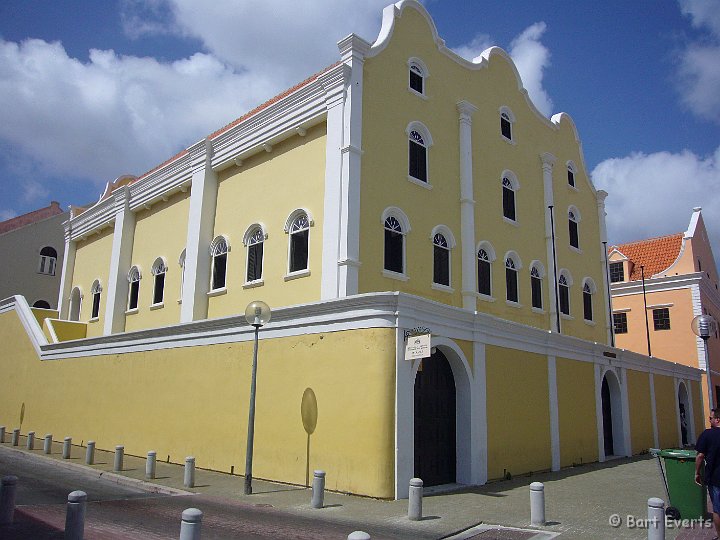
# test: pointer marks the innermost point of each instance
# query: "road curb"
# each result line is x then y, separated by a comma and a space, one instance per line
110, 476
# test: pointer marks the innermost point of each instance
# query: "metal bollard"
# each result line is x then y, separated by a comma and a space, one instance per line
7, 499
358, 535
150, 464
537, 503
656, 519
190, 524
90, 453
119, 454
318, 489
189, 478
30, 443
75, 516
67, 447
16, 437
47, 445
415, 499
2, 434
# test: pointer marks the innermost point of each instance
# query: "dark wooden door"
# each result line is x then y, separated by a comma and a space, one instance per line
435, 421
607, 418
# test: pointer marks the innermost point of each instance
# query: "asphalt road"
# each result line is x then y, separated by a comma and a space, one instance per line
120, 512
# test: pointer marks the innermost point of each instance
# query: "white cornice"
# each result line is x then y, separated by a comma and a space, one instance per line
655, 284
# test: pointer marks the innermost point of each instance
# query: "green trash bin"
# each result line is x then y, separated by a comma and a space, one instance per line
689, 499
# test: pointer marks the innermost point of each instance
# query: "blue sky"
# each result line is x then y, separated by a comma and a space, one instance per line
94, 90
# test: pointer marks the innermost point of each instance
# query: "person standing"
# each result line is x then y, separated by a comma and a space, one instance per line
708, 452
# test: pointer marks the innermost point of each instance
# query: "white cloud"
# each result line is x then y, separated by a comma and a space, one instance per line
699, 71
531, 58
653, 194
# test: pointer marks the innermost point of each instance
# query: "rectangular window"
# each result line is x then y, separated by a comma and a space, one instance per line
159, 289
536, 289
587, 306
512, 284
661, 319
134, 293
617, 272
505, 128
418, 161
393, 251
218, 271
484, 278
441, 266
620, 323
508, 203
571, 178
416, 81
574, 239
299, 250
95, 306
255, 258
564, 300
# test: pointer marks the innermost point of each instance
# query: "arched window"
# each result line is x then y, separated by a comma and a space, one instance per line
75, 304
485, 257
417, 157
218, 271
573, 220
512, 265
509, 187
564, 293
571, 173
96, 291
588, 292
507, 119
134, 278
537, 272
159, 269
394, 246
441, 260
42, 304
299, 243
254, 240
417, 73
48, 261
181, 262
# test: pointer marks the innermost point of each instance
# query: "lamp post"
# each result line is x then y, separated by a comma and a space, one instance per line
257, 314
704, 326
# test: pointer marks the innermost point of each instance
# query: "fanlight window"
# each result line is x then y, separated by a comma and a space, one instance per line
218, 252
417, 156
96, 291
134, 277
159, 270
484, 278
299, 243
255, 255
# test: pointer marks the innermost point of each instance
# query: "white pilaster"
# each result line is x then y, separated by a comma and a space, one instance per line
598, 413
625, 404
653, 412
467, 206
554, 414
479, 436
601, 195
404, 417
66, 277
203, 204
120, 260
548, 161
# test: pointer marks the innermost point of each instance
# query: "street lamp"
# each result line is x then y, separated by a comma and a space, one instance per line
257, 314
704, 326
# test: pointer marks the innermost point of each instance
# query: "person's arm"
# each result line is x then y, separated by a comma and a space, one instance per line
699, 460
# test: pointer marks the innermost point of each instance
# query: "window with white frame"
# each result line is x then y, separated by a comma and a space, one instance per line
511, 280
181, 263
417, 157
484, 272
564, 294
48, 261
134, 277
588, 291
96, 292
571, 174
620, 323
394, 246
441, 260
255, 243
299, 231
159, 269
218, 264
536, 276
573, 220
417, 73
508, 192
507, 119
617, 272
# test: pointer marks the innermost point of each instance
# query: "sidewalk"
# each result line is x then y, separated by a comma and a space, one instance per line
579, 501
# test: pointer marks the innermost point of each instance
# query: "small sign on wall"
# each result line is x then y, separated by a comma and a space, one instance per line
417, 347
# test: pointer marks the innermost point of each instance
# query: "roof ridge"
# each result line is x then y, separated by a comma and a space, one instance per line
655, 238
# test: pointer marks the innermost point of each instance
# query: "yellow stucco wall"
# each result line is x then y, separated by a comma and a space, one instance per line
159, 232
266, 190
64, 330
389, 107
666, 412
92, 261
576, 412
518, 412
202, 409
640, 411
699, 412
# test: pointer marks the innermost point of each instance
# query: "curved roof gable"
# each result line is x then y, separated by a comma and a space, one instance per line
655, 254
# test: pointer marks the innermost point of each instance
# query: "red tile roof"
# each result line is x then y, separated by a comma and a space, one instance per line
31, 217
655, 254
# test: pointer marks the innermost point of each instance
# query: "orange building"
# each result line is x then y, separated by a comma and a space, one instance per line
680, 283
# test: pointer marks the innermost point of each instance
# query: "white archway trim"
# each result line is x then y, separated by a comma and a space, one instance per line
568, 276
540, 268
575, 212
413, 60
446, 232
422, 129
507, 173
294, 214
251, 230
398, 214
590, 283
514, 257
489, 249
620, 411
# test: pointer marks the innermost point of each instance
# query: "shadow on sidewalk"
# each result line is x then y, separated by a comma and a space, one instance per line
27, 526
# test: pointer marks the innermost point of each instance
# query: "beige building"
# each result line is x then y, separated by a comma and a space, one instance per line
31, 252
680, 283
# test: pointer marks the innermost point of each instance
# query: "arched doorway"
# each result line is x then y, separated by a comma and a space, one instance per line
75, 299
684, 413
435, 421
607, 418
612, 416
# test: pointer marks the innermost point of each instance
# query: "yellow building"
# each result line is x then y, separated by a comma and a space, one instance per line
680, 281
401, 188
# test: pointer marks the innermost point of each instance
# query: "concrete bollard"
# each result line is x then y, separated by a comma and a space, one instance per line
2, 434
119, 454
656, 519
150, 464
189, 477
47, 445
30, 443
318, 489
537, 503
90, 453
75, 516
415, 499
67, 447
16, 437
190, 524
7, 499
358, 535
